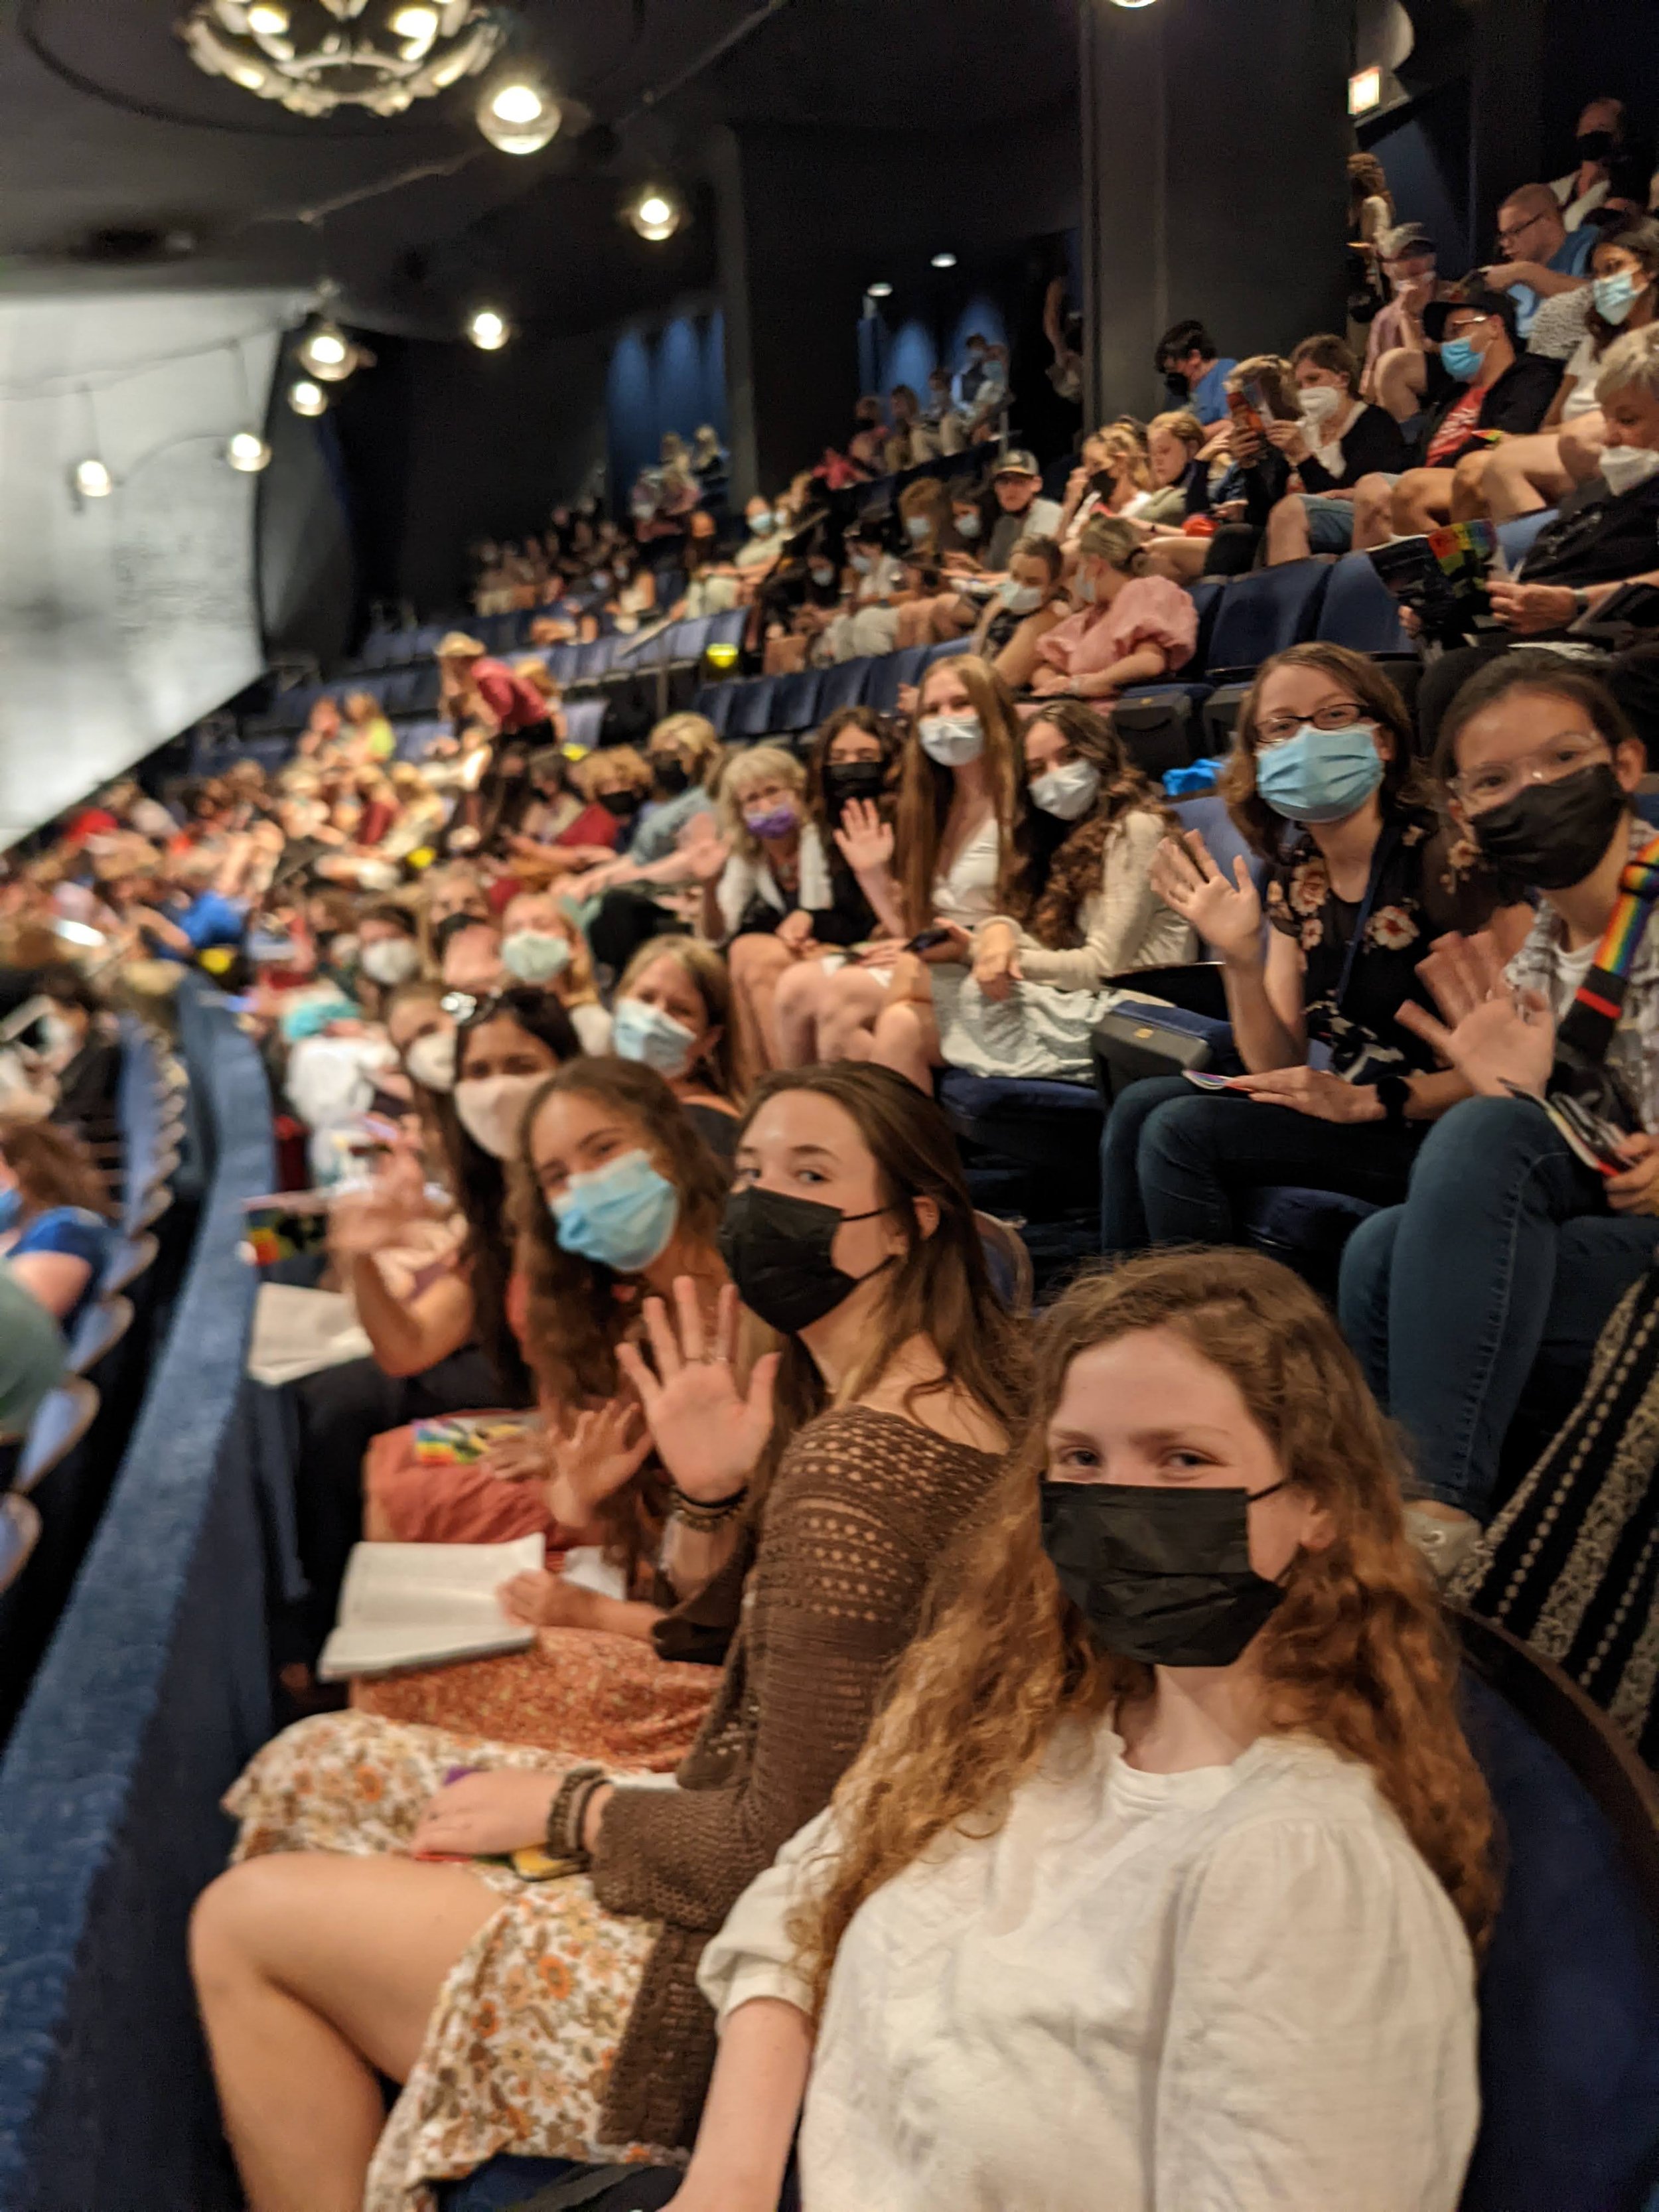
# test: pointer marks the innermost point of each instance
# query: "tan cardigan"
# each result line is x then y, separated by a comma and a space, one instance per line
858, 1514
1125, 924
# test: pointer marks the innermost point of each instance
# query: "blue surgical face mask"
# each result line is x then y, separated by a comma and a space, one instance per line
917, 527
645, 1034
1616, 296
621, 1216
1461, 360
968, 525
862, 563
535, 956
760, 522
1320, 775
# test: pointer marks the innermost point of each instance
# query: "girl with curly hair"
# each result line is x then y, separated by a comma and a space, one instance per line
1360, 880
1162, 1878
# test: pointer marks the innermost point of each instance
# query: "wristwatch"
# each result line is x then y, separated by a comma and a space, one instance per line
1581, 600
1395, 1092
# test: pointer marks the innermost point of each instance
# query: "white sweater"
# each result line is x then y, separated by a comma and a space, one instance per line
1239, 1989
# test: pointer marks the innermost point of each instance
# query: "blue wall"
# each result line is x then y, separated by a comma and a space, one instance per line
668, 377
902, 341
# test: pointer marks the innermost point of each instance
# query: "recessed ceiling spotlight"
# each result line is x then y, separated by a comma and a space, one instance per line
93, 480
517, 117
657, 214
944, 261
247, 454
879, 290
306, 397
489, 330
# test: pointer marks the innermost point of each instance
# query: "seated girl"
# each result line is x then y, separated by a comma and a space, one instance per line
56, 1233
561, 2017
1130, 1901
656, 1207
1506, 1241
1339, 439
1029, 604
543, 948
673, 1012
1337, 1095
1130, 628
1077, 908
958, 796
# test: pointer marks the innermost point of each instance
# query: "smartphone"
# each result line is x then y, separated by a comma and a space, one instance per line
928, 939
1203, 1082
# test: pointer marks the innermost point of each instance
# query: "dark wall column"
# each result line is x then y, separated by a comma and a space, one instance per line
1214, 145
1506, 110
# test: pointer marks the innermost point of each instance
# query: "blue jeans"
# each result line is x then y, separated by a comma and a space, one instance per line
1179, 1166
1504, 1249
1330, 523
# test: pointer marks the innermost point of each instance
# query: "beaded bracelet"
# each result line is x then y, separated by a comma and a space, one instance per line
567, 1811
702, 1519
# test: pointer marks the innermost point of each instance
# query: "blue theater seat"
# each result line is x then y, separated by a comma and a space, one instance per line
843, 686
949, 650
751, 717
727, 629
889, 673
584, 720
795, 703
1516, 538
592, 660
716, 701
562, 663
1264, 612
1359, 611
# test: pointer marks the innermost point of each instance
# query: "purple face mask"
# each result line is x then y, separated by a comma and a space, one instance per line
772, 821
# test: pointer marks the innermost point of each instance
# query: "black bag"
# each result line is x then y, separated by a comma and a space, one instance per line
607, 2189
1131, 1042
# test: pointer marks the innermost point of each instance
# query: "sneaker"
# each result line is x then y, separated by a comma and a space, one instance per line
1444, 1545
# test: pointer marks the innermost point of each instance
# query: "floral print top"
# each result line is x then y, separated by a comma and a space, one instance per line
1431, 883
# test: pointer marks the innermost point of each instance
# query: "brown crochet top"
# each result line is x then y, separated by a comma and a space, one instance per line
856, 1517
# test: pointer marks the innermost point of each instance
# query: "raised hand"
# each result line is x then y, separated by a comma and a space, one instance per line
865, 838
603, 1448
708, 1433
708, 858
1227, 914
1497, 1038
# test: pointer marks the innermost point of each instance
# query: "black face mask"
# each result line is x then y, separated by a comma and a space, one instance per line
1161, 1576
1176, 388
1551, 835
622, 803
844, 779
776, 1250
672, 777
1594, 145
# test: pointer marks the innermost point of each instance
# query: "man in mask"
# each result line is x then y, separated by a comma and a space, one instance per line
1194, 376
1396, 341
1605, 537
1600, 134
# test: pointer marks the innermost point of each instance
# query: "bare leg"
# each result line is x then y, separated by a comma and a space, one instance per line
1288, 532
314, 1973
1468, 495
1522, 475
756, 964
1373, 512
1181, 559
1580, 446
797, 1005
906, 1041
951, 615
847, 1019
1422, 500
1401, 379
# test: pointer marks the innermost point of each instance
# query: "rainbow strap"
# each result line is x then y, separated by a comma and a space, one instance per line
1594, 1014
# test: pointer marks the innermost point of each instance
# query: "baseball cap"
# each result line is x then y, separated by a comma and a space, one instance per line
1470, 293
1016, 462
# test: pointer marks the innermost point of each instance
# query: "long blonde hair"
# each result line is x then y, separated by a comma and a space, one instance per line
1357, 1655
925, 789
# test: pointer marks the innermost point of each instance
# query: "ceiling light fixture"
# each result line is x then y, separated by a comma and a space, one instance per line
92, 480
325, 351
944, 261
1364, 91
519, 115
247, 452
307, 398
656, 213
879, 290
1132, 4
383, 54
489, 330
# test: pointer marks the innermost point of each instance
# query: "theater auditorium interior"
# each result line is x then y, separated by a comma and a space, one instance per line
829, 1105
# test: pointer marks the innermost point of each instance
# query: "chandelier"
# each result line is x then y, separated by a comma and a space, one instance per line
315, 56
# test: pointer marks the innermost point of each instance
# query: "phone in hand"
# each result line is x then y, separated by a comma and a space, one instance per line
1203, 1082
927, 938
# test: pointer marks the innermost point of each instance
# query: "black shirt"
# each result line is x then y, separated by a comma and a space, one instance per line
1596, 538
1373, 443
1515, 405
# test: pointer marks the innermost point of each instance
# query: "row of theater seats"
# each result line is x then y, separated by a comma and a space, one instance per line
68, 1460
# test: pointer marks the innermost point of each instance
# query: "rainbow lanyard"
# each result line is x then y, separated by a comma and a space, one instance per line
1590, 1021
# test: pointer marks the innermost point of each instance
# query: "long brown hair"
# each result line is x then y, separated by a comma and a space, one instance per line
880, 727
941, 1288
1358, 1656
1257, 823
575, 1317
925, 789
1050, 907
52, 1168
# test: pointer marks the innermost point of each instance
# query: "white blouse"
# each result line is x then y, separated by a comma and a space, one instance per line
1239, 1989
966, 891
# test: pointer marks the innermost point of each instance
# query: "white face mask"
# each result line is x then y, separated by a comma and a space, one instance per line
1319, 402
952, 740
490, 1109
1020, 599
1625, 467
390, 961
1067, 791
431, 1060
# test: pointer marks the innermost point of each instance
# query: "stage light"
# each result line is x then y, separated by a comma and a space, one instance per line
657, 214
944, 261
247, 454
517, 117
93, 480
1364, 91
489, 330
306, 397
879, 291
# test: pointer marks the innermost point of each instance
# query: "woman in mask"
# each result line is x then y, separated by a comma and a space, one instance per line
958, 798
934, 550
1360, 881
673, 1013
1076, 908
633, 600
1130, 627
1027, 604
1507, 1241
388, 948
1095, 1841
543, 948
873, 1433
1338, 440
621, 906
56, 1234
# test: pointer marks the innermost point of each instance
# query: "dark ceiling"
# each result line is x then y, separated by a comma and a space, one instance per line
110, 139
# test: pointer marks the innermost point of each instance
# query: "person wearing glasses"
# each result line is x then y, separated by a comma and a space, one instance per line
1509, 1246
1335, 1095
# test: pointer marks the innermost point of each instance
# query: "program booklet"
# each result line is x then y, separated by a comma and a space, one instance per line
422, 1605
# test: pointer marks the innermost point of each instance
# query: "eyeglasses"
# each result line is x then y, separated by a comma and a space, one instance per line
1508, 237
1496, 784
1336, 714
